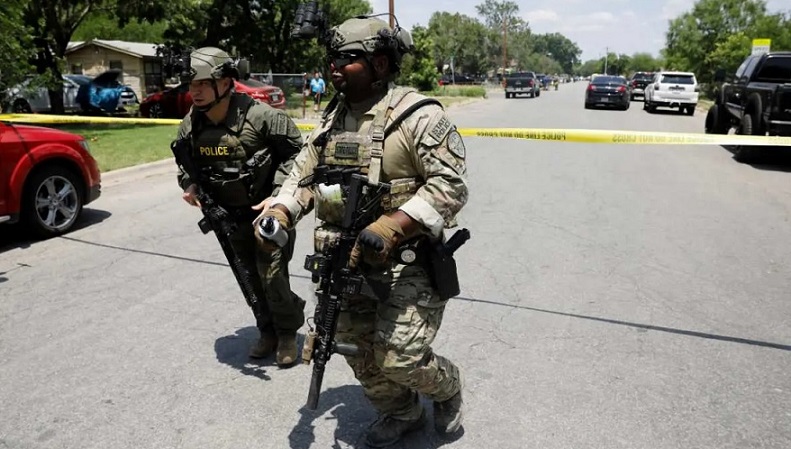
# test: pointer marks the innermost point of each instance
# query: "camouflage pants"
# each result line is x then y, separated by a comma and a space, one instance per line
396, 362
286, 309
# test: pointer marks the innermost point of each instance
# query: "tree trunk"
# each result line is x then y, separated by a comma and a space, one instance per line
56, 100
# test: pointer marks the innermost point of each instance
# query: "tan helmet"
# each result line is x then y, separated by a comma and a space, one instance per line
212, 63
370, 35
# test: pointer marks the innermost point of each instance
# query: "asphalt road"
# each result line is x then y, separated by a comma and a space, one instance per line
614, 296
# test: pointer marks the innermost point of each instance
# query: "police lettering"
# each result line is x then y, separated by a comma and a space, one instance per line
213, 151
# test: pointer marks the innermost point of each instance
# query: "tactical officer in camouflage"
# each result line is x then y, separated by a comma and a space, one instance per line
423, 158
232, 130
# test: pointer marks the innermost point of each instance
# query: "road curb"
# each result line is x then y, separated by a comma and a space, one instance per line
138, 169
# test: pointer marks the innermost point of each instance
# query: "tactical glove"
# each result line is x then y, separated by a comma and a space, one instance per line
376, 241
266, 244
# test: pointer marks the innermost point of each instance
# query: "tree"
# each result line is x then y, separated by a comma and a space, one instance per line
644, 62
418, 68
259, 29
558, 47
52, 24
14, 53
496, 13
541, 63
104, 25
589, 67
501, 18
693, 37
459, 37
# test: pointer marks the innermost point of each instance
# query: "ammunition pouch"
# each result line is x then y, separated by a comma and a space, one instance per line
260, 168
230, 187
235, 187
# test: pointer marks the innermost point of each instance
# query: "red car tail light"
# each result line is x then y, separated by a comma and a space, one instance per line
622, 89
263, 96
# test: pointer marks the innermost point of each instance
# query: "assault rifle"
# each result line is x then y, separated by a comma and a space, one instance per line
335, 279
216, 218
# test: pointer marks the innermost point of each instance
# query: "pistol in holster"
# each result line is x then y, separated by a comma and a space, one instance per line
437, 258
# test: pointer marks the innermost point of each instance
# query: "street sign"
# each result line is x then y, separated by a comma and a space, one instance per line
761, 46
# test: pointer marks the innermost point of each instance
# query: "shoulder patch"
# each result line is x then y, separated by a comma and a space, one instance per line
280, 125
456, 144
440, 129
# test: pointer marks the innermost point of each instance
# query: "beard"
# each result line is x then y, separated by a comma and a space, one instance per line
341, 86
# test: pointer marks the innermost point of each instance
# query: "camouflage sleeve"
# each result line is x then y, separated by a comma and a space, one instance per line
285, 141
184, 129
299, 200
442, 157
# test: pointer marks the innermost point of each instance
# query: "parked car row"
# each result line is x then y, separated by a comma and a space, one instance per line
104, 94
662, 89
81, 94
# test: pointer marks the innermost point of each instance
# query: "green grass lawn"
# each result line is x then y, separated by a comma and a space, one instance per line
119, 146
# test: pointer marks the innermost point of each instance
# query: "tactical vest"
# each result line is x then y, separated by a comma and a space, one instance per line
365, 150
339, 147
234, 178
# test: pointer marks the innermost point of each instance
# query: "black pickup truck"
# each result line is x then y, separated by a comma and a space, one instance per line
521, 83
756, 101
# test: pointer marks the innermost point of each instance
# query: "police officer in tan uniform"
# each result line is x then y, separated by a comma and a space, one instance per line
397, 136
232, 130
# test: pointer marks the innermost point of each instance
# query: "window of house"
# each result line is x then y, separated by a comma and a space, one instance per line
76, 69
120, 66
153, 76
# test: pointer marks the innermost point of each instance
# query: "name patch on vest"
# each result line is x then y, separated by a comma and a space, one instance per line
347, 150
213, 151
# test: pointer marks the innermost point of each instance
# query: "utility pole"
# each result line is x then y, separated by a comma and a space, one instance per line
392, 14
505, 45
606, 56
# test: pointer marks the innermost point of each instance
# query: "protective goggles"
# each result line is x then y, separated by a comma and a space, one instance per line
343, 58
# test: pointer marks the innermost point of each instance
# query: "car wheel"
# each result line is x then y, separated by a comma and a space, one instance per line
588, 106
746, 153
21, 106
691, 110
715, 122
53, 201
156, 110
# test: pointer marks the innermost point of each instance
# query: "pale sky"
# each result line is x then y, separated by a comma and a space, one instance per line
625, 26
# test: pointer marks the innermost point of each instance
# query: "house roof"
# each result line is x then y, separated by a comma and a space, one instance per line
138, 49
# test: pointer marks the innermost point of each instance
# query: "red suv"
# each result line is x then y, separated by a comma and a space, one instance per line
46, 177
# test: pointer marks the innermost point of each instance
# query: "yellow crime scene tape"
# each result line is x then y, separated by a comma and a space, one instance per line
552, 135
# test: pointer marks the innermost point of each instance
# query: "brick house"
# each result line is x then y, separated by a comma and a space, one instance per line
141, 67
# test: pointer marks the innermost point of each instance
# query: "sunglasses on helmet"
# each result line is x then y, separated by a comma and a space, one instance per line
343, 58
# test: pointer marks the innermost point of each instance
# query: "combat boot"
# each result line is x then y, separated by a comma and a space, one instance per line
386, 430
448, 415
264, 347
286, 349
